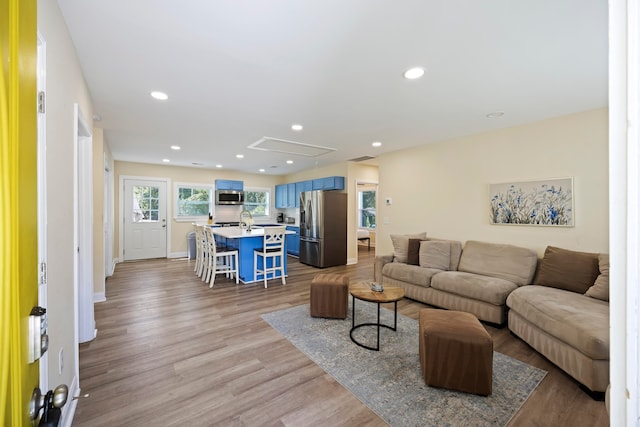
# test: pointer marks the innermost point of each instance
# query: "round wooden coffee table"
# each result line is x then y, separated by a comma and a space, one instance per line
363, 292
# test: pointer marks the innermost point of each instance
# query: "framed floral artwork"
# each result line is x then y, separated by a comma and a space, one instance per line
546, 202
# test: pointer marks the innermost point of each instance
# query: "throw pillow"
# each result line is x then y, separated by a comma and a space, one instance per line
435, 254
413, 252
401, 245
600, 289
565, 269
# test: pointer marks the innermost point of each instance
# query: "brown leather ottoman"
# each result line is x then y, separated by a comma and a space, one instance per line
456, 351
329, 295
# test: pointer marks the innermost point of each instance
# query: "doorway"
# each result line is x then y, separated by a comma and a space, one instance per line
145, 219
83, 183
366, 217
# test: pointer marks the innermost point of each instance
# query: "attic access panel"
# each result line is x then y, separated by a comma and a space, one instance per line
289, 147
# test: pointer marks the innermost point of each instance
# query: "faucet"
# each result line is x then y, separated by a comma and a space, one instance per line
248, 223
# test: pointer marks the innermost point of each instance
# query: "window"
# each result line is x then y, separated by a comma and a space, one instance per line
256, 201
367, 209
193, 201
145, 203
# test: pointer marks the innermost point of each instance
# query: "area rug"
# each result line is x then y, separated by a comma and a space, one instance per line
390, 381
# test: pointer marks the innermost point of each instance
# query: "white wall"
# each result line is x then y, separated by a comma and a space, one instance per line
65, 86
442, 188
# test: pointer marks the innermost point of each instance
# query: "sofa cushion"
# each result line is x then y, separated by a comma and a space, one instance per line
492, 290
579, 321
413, 251
600, 288
435, 254
455, 252
512, 263
566, 269
413, 274
401, 244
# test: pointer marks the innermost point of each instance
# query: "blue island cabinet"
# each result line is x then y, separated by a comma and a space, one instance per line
245, 244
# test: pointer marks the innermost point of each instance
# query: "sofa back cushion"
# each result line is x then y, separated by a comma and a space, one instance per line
401, 245
428, 252
508, 262
435, 254
566, 269
600, 289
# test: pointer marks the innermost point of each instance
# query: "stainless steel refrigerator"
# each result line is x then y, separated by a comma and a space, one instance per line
323, 228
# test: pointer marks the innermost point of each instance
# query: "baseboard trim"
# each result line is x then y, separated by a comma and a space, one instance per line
99, 297
178, 255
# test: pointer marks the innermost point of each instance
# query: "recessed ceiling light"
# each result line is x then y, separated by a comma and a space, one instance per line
495, 114
218, 166
289, 162
414, 73
240, 156
376, 144
175, 147
261, 170
296, 127
159, 95
166, 160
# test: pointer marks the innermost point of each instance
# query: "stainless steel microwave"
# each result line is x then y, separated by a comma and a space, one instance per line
229, 197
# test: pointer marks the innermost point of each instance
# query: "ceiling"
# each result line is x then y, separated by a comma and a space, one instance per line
238, 71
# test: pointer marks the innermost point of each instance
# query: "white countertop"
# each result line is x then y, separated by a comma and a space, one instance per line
236, 232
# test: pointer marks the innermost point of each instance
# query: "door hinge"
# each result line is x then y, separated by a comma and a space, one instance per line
41, 102
43, 273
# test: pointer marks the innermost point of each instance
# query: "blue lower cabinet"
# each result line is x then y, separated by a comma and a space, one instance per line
293, 241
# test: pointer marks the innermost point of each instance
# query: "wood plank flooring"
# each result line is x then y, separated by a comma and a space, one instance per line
172, 352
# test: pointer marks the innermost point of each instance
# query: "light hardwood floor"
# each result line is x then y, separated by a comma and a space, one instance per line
172, 352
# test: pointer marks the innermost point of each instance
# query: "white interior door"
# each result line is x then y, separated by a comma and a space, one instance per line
145, 219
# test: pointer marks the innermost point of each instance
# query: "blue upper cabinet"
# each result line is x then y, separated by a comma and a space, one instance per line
282, 196
291, 195
288, 195
329, 183
227, 184
300, 187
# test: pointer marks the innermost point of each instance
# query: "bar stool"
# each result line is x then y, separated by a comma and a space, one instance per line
272, 254
201, 242
219, 260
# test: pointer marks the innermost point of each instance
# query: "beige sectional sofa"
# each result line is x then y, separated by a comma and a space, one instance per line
558, 305
477, 279
565, 314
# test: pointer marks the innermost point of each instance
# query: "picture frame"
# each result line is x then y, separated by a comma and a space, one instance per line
546, 202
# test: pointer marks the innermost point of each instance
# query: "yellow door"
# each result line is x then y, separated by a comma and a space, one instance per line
18, 206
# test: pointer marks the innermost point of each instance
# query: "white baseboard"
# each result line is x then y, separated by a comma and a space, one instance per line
99, 297
352, 261
178, 254
69, 409
113, 268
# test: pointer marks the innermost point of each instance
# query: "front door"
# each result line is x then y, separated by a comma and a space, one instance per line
145, 219
19, 206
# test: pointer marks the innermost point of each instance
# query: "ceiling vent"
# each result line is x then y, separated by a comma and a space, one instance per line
289, 147
362, 158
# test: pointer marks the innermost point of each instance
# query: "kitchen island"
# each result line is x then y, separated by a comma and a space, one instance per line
245, 242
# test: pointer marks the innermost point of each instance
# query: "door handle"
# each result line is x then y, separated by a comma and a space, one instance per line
164, 225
